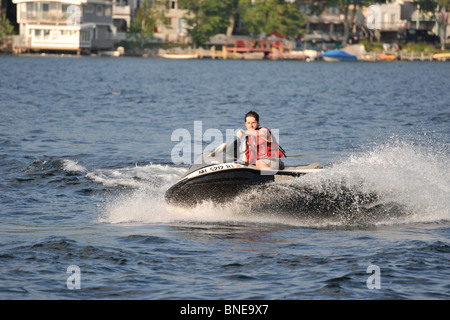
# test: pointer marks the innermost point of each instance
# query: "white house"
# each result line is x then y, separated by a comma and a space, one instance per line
174, 28
123, 14
64, 25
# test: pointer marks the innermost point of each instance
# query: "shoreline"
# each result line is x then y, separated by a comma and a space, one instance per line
363, 51
402, 57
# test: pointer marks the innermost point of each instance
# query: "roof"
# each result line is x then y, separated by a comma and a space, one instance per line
77, 2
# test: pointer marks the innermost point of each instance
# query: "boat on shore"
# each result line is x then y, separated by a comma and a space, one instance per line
441, 56
179, 56
253, 56
387, 57
337, 55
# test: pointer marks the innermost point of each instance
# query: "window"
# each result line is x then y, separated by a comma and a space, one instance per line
85, 35
54, 35
99, 10
333, 10
107, 11
89, 8
168, 22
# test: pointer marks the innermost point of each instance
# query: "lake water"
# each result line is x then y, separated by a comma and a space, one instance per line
85, 159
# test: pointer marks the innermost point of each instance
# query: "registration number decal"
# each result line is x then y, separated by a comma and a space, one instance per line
217, 168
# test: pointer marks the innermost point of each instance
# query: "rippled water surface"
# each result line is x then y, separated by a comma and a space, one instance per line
85, 160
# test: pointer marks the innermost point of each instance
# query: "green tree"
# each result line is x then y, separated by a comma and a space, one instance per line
206, 18
440, 9
149, 16
6, 28
267, 16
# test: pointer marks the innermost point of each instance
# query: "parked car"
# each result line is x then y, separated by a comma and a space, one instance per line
418, 35
317, 35
354, 38
335, 36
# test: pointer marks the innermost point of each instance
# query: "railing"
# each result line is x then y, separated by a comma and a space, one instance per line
57, 17
413, 56
121, 10
393, 26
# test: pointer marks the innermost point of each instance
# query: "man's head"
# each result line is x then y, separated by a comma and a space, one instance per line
251, 120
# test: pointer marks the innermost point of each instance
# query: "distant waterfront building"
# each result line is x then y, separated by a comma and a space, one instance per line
398, 15
124, 12
64, 25
330, 20
390, 18
174, 29
394, 16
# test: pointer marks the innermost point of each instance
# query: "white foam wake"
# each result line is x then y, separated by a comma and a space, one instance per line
72, 166
415, 177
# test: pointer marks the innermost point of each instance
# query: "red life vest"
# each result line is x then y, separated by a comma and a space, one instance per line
259, 148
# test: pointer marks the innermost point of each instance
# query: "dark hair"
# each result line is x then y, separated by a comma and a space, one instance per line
253, 114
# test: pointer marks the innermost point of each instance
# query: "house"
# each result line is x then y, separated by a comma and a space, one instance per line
124, 12
389, 18
174, 28
330, 20
64, 25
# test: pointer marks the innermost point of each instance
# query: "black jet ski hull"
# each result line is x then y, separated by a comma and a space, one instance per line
223, 182
219, 186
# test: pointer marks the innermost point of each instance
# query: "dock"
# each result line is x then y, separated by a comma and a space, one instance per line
415, 56
245, 49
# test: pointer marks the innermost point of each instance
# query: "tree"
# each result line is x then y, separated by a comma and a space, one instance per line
6, 28
206, 18
149, 16
271, 16
440, 9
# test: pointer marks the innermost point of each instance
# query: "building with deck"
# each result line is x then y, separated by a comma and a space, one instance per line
64, 25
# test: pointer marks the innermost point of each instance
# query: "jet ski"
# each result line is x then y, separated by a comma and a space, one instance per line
219, 176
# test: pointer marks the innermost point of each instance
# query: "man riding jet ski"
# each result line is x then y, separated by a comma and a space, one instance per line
260, 148
253, 159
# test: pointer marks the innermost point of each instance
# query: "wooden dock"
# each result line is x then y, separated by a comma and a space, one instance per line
415, 56
213, 53
225, 54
